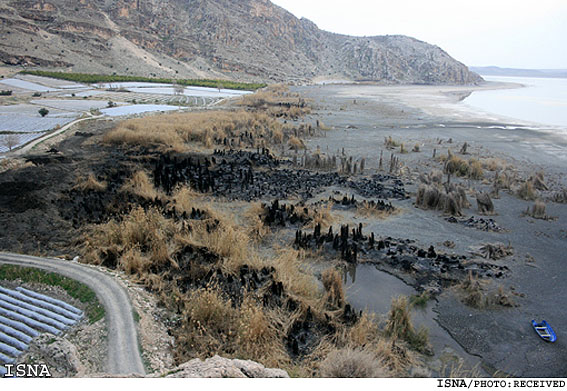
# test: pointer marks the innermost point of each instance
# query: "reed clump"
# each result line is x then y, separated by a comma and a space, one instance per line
208, 129
449, 199
333, 284
400, 326
472, 168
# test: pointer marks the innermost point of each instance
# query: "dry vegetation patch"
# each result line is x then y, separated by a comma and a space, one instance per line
90, 183
476, 294
183, 131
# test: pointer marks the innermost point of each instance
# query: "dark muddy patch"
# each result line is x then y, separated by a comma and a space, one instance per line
425, 269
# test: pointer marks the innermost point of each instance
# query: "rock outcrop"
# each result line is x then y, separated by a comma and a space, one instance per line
223, 367
247, 39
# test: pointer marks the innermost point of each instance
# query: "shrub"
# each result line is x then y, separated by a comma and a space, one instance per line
43, 111
10, 140
456, 166
351, 363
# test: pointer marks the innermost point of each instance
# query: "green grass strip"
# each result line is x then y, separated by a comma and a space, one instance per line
81, 292
94, 78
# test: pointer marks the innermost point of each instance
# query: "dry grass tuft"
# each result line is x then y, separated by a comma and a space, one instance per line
333, 283
352, 363
90, 184
296, 278
257, 336
526, 191
212, 324
254, 217
399, 326
295, 143
185, 199
450, 199
367, 209
475, 169
472, 168
322, 216
494, 164
473, 295
364, 332
141, 234
390, 143
538, 181
456, 166
141, 185
484, 203
538, 211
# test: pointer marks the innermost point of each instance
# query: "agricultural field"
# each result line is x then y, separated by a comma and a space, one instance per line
26, 123
19, 140
67, 100
136, 109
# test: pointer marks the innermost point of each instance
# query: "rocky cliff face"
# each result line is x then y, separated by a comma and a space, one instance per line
244, 39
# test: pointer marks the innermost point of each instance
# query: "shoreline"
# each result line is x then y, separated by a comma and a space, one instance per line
363, 116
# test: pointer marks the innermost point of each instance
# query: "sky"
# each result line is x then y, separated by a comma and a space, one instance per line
505, 33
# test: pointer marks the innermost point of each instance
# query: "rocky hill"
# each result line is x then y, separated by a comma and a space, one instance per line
251, 40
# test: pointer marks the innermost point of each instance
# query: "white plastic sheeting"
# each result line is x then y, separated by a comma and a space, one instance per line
43, 304
12, 332
13, 342
29, 321
41, 311
9, 350
6, 359
33, 315
24, 314
19, 326
51, 300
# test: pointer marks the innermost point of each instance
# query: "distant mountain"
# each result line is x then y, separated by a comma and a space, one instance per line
496, 71
251, 40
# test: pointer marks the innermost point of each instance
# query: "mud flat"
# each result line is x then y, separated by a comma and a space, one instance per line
432, 118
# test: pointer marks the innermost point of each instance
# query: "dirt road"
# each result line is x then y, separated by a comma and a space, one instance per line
123, 353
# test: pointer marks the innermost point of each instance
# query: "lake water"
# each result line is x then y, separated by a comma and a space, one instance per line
543, 100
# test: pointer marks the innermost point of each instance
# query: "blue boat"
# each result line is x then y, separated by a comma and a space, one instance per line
544, 330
